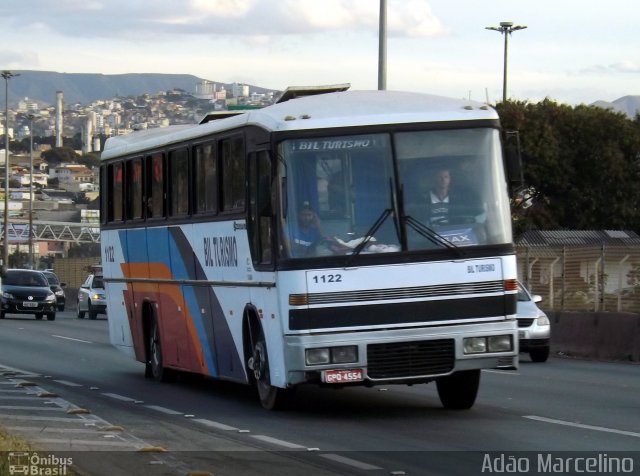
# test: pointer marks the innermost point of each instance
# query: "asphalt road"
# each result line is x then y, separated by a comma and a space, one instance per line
544, 413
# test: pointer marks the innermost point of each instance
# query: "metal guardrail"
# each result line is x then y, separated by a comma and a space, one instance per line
51, 231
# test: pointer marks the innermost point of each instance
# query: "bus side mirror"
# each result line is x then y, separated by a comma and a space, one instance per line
513, 160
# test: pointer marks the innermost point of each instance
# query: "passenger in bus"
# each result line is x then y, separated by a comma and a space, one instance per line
307, 231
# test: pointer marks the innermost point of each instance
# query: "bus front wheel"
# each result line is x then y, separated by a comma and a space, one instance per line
271, 398
458, 391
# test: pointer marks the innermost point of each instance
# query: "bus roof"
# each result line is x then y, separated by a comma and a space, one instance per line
321, 111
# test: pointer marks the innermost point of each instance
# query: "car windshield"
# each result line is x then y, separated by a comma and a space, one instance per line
522, 294
98, 283
52, 278
25, 278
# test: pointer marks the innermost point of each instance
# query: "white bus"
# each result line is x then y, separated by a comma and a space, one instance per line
206, 270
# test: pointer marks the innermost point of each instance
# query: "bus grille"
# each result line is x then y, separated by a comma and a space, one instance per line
410, 359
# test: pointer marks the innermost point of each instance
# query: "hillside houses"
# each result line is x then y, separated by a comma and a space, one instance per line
72, 177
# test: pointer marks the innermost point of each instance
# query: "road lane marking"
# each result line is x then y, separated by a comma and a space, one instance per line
17, 407
276, 441
215, 424
580, 425
119, 397
73, 339
68, 384
350, 462
168, 411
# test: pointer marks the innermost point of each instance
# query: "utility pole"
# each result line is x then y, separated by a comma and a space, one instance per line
31, 261
7, 75
382, 47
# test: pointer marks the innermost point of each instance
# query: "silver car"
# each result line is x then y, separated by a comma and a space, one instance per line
534, 329
91, 297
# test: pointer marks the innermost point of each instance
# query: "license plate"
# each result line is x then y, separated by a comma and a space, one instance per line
30, 304
342, 376
521, 334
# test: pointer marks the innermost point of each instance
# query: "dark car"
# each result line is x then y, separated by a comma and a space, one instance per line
26, 291
56, 286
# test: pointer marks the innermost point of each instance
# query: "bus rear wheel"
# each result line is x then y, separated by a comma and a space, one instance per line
458, 391
271, 398
154, 367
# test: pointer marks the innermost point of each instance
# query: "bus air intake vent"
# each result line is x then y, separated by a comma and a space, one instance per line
410, 359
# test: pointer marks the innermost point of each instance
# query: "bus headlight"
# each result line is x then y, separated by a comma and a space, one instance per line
475, 345
331, 355
344, 355
500, 343
316, 356
480, 345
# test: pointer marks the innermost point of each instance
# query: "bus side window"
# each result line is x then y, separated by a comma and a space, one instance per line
115, 192
260, 208
205, 171
155, 186
179, 173
134, 189
233, 173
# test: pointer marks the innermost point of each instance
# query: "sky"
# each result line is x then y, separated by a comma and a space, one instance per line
572, 51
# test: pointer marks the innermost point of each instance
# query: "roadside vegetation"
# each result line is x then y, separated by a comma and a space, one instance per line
581, 166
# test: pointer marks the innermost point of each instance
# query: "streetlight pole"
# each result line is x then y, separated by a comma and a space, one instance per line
505, 28
31, 118
7, 75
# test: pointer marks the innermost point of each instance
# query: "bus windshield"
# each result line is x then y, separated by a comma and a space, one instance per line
358, 194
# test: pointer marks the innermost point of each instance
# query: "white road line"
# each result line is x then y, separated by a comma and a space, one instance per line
33, 397
68, 384
580, 425
215, 424
278, 442
49, 429
119, 397
71, 338
74, 442
350, 462
72, 419
5, 368
17, 407
168, 411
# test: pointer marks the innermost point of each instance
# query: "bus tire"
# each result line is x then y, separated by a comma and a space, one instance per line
271, 398
459, 390
154, 367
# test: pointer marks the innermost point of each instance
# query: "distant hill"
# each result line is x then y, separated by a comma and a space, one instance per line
84, 88
629, 105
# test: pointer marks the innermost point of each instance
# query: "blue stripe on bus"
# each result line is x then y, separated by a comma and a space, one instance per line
170, 247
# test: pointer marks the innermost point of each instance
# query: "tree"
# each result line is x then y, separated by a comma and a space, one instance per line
582, 164
90, 160
58, 155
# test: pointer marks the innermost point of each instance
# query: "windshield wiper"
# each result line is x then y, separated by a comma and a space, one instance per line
371, 231
431, 235
378, 223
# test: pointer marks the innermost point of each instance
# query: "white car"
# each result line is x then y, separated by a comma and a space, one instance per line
534, 329
91, 297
